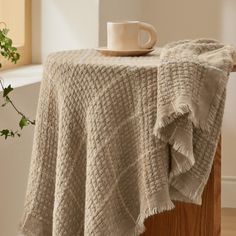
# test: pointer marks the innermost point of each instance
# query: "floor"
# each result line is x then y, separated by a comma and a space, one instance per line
228, 222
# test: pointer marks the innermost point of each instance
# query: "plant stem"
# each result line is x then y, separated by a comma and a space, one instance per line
15, 108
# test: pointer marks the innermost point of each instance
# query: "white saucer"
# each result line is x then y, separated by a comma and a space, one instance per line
124, 53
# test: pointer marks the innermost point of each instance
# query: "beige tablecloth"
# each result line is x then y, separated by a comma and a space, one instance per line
117, 139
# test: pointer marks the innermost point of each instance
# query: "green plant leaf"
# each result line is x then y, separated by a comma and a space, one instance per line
23, 122
7, 90
9, 133
9, 52
5, 133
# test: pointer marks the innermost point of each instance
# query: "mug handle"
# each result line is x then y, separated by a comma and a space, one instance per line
152, 35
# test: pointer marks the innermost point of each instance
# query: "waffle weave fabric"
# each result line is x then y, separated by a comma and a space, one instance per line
117, 139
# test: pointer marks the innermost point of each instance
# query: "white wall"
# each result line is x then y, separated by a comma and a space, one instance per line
228, 34
175, 20
61, 25
14, 159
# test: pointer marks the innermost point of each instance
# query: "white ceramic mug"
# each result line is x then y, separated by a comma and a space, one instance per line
126, 35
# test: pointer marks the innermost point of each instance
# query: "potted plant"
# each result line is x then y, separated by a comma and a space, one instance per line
9, 52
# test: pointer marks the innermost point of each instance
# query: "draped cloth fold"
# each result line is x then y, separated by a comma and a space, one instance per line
117, 139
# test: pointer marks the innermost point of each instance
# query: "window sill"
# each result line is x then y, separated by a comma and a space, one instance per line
22, 76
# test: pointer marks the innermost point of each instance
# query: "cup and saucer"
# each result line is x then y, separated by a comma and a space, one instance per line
123, 39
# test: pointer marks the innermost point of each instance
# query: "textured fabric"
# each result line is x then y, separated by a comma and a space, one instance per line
118, 138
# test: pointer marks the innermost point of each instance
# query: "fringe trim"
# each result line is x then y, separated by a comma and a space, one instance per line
166, 118
180, 147
177, 145
203, 120
140, 227
183, 105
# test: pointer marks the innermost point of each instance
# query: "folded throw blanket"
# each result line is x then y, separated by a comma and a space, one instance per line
118, 138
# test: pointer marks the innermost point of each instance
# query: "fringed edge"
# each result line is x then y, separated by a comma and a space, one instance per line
176, 144
181, 148
184, 106
140, 227
166, 118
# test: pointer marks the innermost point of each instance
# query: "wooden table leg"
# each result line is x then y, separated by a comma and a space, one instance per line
189, 219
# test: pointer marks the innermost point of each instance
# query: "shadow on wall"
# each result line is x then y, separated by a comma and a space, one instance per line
63, 25
175, 20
